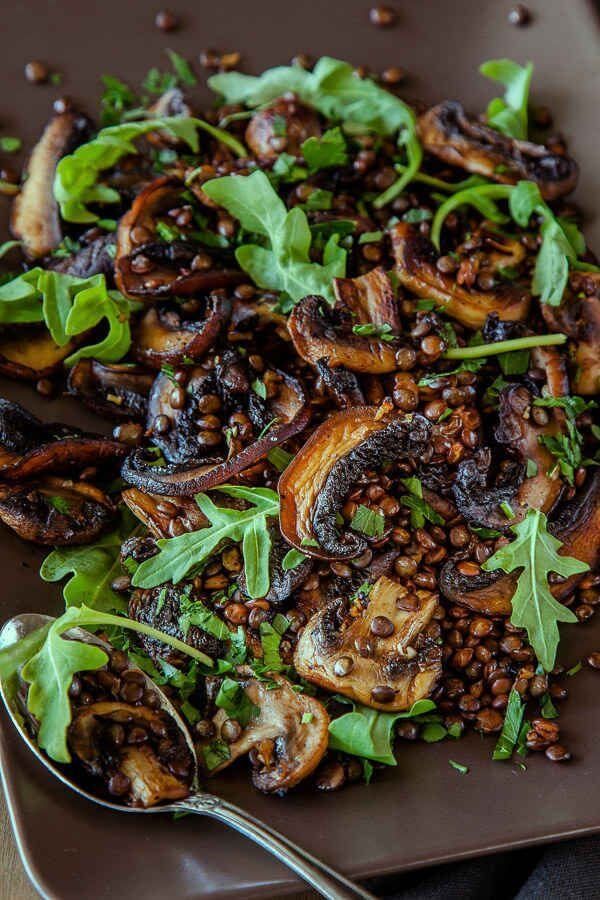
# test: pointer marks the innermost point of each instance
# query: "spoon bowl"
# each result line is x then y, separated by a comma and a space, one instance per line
319, 875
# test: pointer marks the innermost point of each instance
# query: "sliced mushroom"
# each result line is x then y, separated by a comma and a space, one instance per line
282, 582
288, 736
314, 486
56, 512
282, 126
116, 391
370, 298
578, 316
384, 654
35, 219
149, 269
415, 258
158, 513
288, 411
448, 133
30, 354
96, 258
577, 526
341, 384
163, 336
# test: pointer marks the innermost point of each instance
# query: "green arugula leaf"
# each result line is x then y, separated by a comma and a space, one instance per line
182, 69
292, 559
92, 569
116, 100
194, 612
509, 115
567, 448
215, 753
482, 197
325, 152
534, 552
237, 704
369, 329
10, 144
285, 266
270, 639
186, 553
368, 521
513, 720
76, 181
368, 733
460, 768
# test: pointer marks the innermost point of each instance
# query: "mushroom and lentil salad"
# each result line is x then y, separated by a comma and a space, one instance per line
350, 349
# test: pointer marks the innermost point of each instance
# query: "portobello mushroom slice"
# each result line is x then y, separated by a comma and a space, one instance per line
288, 735
578, 317
151, 779
30, 353
280, 127
96, 258
162, 516
449, 134
400, 658
370, 298
117, 391
147, 268
577, 526
342, 385
314, 486
415, 258
56, 512
163, 336
35, 219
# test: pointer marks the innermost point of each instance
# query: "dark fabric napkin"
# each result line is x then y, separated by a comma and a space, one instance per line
564, 871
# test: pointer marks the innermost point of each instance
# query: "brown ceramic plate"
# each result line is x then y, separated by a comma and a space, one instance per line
423, 811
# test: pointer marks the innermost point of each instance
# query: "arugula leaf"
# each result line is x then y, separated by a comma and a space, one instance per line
187, 552
513, 719
286, 265
509, 115
92, 569
235, 701
49, 671
194, 612
567, 448
215, 753
292, 559
280, 458
76, 181
368, 521
383, 332
420, 510
334, 89
368, 733
116, 100
10, 144
182, 69
482, 197
460, 768
270, 639
325, 152
534, 551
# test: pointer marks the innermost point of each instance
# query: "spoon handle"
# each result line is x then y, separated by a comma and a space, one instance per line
322, 877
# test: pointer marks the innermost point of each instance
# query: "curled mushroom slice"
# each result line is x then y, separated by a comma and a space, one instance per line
163, 336
341, 384
159, 514
31, 354
56, 512
281, 126
415, 258
448, 133
147, 268
577, 526
384, 654
35, 219
578, 317
116, 391
313, 488
370, 298
288, 410
96, 258
289, 734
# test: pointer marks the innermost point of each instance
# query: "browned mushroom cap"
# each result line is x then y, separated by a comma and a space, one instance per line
448, 133
158, 513
167, 267
288, 409
116, 391
164, 336
55, 511
400, 643
35, 220
284, 125
30, 353
151, 780
320, 333
313, 488
95, 258
578, 316
289, 735
577, 526
415, 258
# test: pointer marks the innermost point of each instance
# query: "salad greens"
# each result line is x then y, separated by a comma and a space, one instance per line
369, 733
509, 114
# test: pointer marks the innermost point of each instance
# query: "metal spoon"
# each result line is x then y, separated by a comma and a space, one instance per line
320, 876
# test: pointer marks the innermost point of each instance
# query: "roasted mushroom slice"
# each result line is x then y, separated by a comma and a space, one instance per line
95, 258
289, 734
342, 385
282, 126
35, 220
415, 258
148, 769
147, 268
382, 652
30, 353
370, 298
163, 336
118, 391
164, 517
578, 316
56, 512
314, 486
577, 526
448, 133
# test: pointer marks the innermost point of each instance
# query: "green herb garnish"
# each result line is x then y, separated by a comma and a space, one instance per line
368, 521
509, 735
509, 114
368, 733
325, 152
